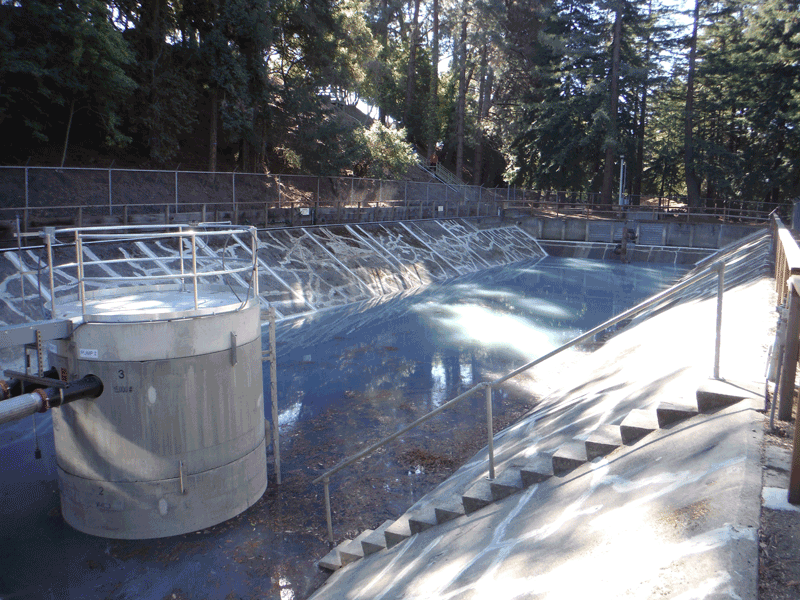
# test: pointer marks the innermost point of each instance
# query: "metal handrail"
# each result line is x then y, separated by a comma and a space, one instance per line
147, 233
668, 294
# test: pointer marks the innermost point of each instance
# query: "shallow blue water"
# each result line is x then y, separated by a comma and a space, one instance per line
427, 346
346, 377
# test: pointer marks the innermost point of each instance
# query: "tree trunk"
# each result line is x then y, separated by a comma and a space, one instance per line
433, 117
611, 136
641, 125
462, 94
212, 142
692, 185
412, 66
383, 36
484, 94
66, 137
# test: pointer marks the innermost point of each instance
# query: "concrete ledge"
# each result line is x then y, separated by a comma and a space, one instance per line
603, 440
715, 393
638, 424
568, 457
668, 413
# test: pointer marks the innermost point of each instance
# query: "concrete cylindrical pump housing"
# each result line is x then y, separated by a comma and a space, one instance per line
176, 441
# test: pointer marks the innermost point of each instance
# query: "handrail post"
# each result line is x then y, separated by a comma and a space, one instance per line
327, 482
720, 266
19, 264
194, 268
48, 232
789, 369
180, 254
489, 430
79, 262
255, 264
273, 386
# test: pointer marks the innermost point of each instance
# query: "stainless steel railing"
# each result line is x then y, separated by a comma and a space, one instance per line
671, 293
189, 266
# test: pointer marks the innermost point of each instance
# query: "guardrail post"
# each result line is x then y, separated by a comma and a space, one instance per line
194, 268
490, 430
273, 386
48, 234
79, 262
720, 266
327, 482
794, 475
789, 369
180, 254
233, 196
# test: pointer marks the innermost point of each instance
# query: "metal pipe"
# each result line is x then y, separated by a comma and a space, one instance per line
490, 430
9, 388
49, 243
41, 400
720, 267
19, 407
328, 508
273, 386
180, 254
194, 268
775, 393
255, 263
81, 280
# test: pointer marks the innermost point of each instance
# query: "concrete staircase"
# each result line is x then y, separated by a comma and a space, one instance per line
521, 471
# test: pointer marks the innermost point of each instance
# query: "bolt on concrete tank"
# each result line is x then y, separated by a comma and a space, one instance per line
176, 442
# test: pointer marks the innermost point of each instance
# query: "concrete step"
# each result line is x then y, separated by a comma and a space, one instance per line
376, 541
507, 482
353, 550
638, 424
331, 561
603, 440
449, 510
421, 520
536, 469
477, 496
668, 413
714, 393
397, 532
569, 457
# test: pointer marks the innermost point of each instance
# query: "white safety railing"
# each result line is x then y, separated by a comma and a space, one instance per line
178, 256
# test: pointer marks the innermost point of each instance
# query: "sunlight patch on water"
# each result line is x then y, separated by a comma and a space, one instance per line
289, 417
482, 326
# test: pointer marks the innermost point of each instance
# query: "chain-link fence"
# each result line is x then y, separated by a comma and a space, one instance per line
42, 196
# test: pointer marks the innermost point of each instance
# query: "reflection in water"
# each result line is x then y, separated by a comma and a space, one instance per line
438, 381
465, 370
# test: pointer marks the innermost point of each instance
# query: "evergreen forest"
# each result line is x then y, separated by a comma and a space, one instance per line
702, 99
